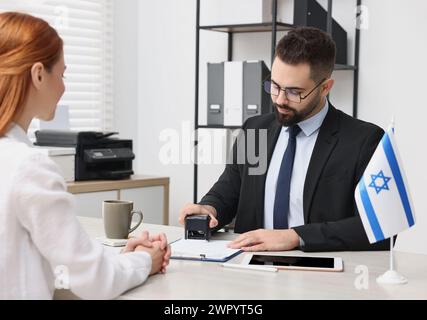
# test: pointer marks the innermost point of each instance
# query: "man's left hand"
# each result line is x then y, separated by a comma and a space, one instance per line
266, 240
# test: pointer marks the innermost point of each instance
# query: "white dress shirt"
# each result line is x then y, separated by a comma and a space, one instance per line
306, 140
41, 237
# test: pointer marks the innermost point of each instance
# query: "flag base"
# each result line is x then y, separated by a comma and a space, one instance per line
391, 277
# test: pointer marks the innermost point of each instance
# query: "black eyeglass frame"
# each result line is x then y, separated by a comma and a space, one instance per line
269, 81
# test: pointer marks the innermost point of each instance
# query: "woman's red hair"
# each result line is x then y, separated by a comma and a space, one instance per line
24, 41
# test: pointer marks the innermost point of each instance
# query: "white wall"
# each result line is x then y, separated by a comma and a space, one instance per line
154, 84
166, 51
125, 66
391, 82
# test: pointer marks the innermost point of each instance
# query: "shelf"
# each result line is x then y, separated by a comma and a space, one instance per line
218, 127
344, 67
253, 27
267, 27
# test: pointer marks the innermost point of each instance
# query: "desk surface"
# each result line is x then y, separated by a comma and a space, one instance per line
208, 280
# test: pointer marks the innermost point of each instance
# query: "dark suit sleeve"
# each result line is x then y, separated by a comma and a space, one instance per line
347, 234
225, 193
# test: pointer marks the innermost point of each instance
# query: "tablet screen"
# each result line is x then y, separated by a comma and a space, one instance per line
289, 261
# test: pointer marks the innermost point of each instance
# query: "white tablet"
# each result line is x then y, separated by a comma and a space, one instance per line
311, 263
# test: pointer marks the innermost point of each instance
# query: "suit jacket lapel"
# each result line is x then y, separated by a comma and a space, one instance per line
325, 143
272, 136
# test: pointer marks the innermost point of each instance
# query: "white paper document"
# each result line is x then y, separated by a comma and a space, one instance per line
214, 250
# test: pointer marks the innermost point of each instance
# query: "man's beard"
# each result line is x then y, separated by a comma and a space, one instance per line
295, 116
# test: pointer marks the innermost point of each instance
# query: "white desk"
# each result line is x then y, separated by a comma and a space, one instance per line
208, 280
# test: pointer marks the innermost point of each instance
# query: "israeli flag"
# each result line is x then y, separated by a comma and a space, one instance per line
382, 194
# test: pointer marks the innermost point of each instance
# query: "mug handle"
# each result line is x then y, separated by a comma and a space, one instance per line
141, 216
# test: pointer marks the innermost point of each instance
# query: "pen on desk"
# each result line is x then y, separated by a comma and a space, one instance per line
249, 267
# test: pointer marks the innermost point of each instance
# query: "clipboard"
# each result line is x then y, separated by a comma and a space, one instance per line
203, 250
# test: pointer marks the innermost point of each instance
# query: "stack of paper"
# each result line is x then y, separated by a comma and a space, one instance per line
214, 250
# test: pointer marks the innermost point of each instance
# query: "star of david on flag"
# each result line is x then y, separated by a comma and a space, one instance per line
382, 194
384, 186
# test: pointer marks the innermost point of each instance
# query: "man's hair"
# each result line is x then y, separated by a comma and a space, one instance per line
308, 45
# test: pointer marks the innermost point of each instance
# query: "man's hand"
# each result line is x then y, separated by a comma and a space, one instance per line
191, 209
266, 240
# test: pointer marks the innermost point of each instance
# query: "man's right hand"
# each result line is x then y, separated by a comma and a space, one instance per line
192, 209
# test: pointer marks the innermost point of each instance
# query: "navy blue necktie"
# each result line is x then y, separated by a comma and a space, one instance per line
281, 201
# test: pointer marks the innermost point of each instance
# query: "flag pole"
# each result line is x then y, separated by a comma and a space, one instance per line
391, 276
385, 157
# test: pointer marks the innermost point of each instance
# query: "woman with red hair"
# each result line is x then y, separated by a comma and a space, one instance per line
39, 233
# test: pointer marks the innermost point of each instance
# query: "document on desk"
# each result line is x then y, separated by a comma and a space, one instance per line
213, 250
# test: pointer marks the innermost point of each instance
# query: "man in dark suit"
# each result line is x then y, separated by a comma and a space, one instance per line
315, 156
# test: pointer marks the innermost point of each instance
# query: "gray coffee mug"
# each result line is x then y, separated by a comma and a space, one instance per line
117, 217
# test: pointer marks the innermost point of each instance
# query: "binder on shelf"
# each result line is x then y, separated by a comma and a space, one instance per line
339, 35
216, 93
233, 93
255, 100
311, 14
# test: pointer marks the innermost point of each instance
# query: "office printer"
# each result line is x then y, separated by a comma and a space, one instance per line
98, 154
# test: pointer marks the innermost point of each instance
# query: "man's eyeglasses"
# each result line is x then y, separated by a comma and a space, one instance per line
291, 94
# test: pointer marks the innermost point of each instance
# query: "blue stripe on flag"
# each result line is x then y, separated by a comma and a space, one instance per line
370, 212
392, 160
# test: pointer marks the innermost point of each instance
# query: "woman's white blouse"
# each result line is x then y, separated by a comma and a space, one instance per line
42, 245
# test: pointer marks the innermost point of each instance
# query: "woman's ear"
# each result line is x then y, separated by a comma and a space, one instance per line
37, 74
